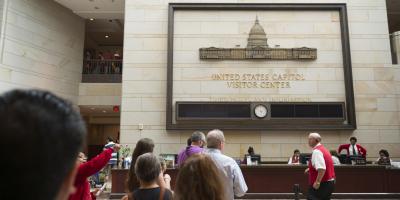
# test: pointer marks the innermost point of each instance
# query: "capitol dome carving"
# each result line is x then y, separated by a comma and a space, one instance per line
257, 48
257, 36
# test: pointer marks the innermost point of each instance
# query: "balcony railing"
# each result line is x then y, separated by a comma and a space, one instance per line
102, 71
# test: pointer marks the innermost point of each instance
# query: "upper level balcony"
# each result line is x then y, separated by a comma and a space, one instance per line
102, 71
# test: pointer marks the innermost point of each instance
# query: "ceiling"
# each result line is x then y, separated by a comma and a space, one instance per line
108, 20
98, 9
104, 10
97, 29
393, 10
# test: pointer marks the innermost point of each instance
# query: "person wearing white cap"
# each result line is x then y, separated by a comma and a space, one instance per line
320, 170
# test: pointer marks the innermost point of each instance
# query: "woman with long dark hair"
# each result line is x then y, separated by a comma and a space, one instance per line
144, 145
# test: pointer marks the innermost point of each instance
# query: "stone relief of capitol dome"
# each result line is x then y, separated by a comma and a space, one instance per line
257, 48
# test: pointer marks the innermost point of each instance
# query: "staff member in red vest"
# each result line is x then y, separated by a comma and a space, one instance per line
295, 159
320, 170
353, 149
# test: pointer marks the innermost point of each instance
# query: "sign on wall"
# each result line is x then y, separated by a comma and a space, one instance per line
259, 53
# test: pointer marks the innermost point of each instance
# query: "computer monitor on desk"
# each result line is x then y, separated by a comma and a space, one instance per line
343, 158
254, 158
356, 160
304, 157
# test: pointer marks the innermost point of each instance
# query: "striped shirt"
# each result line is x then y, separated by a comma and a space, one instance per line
114, 155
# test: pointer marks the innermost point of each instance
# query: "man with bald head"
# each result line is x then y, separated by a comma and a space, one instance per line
233, 177
320, 170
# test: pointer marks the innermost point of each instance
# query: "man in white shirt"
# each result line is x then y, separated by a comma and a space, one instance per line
235, 183
321, 170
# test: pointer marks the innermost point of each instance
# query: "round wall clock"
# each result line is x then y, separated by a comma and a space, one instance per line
260, 111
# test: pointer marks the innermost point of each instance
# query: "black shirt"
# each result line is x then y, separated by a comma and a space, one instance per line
151, 194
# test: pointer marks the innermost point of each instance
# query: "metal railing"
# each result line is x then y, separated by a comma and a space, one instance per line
97, 66
102, 71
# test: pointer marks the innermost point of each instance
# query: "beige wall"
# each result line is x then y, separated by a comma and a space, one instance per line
1, 9
42, 47
99, 94
375, 82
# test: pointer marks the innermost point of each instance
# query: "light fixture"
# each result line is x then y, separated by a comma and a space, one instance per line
106, 36
91, 19
104, 111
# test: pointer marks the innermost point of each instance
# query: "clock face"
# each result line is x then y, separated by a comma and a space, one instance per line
260, 111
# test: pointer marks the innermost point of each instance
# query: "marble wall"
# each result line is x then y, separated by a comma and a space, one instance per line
41, 47
99, 94
376, 80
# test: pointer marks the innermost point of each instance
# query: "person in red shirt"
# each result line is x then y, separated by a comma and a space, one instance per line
87, 169
321, 172
353, 149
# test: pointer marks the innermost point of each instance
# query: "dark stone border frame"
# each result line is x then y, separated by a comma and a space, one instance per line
346, 54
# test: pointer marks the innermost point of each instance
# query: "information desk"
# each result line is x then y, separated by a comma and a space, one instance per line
274, 178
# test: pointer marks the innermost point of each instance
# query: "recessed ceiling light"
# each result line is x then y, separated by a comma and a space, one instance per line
91, 19
106, 36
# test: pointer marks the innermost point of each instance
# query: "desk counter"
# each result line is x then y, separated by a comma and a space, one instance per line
280, 178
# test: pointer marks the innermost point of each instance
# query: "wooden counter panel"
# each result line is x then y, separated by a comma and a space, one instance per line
281, 179
118, 179
360, 180
393, 180
274, 180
